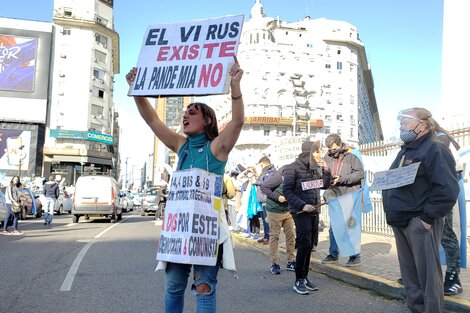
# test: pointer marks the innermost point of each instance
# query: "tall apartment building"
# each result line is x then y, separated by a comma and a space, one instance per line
81, 134
302, 79
161, 161
56, 91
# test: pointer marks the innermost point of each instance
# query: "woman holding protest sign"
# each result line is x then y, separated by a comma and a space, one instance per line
204, 148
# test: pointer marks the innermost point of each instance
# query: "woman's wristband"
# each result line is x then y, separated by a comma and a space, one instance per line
237, 98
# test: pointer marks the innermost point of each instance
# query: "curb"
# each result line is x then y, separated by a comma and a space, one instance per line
378, 285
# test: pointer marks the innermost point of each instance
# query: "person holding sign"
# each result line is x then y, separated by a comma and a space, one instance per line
303, 180
416, 211
204, 148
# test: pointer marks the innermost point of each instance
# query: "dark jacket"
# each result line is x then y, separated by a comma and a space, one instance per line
435, 189
349, 169
51, 190
272, 188
300, 172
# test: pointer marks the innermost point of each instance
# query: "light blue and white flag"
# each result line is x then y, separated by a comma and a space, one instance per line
459, 222
345, 221
365, 195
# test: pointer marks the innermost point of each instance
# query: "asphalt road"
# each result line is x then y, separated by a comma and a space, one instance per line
96, 266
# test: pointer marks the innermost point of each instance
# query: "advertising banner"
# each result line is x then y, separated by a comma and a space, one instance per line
17, 63
191, 58
14, 148
190, 229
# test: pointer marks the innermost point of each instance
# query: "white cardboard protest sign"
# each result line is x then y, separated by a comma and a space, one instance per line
190, 58
395, 178
190, 230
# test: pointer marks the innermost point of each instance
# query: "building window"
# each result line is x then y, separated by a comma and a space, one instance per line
327, 129
100, 56
95, 127
339, 51
97, 92
96, 109
266, 132
339, 65
100, 39
66, 32
339, 117
101, 20
351, 99
97, 73
327, 65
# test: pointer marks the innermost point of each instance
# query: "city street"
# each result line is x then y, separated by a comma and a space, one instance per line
96, 266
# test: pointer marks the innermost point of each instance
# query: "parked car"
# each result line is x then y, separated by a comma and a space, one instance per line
127, 201
96, 196
138, 199
153, 200
3, 208
29, 201
63, 203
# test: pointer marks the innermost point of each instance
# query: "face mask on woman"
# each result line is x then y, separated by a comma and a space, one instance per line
408, 136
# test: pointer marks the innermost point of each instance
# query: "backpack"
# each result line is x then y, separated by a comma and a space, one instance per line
260, 196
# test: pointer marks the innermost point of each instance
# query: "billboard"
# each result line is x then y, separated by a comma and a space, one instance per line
25, 54
17, 63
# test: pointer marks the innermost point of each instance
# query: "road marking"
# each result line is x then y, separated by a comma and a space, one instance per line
110, 227
68, 281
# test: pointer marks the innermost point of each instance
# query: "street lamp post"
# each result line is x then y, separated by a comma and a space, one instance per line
21, 156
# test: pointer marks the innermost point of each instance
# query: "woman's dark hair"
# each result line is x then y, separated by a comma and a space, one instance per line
210, 128
18, 184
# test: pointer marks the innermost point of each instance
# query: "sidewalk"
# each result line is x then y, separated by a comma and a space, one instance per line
378, 272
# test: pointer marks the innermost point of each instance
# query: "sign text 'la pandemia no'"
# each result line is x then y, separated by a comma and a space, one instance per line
190, 58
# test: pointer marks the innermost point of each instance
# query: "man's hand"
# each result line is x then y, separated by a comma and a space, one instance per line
309, 208
281, 199
334, 180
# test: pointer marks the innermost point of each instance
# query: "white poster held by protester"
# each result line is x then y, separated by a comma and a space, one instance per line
190, 58
190, 229
395, 178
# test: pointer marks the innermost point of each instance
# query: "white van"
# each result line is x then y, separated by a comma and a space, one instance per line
96, 196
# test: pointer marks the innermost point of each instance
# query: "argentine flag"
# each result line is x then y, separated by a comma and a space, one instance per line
345, 221
366, 202
459, 221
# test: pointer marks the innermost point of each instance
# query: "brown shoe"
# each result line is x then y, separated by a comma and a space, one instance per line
260, 240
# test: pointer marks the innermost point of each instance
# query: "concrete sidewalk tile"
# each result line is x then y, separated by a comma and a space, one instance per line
378, 271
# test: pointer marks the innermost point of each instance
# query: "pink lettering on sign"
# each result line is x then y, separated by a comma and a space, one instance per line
312, 184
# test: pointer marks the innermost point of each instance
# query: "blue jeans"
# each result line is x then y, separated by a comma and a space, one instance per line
265, 221
7, 217
49, 210
175, 285
334, 251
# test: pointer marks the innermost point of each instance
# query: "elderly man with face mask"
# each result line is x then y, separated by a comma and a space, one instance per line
416, 211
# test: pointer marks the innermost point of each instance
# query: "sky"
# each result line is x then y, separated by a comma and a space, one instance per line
402, 40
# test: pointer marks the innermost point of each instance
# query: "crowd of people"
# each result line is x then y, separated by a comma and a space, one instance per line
288, 199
